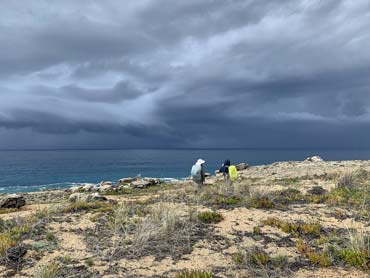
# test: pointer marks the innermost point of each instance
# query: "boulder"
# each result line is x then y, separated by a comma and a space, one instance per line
12, 201
316, 190
14, 254
242, 166
126, 180
314, 159
207, 175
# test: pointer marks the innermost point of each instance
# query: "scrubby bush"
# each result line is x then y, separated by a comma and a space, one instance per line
261, 203
294, 228
210, 217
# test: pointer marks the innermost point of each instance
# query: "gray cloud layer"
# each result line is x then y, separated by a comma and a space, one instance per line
164, 73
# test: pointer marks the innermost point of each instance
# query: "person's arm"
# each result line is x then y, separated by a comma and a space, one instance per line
203, 174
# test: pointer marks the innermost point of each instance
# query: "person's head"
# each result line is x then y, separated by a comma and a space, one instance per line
200, 162
227, 162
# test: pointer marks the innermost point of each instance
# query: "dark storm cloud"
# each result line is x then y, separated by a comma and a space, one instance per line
184, 73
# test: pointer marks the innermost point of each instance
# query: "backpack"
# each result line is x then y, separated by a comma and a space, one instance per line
196, 172
233, 172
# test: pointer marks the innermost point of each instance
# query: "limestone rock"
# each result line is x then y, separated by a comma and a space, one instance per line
314, 159
145, 182
97, 197
106, 187
241, 166
12, 201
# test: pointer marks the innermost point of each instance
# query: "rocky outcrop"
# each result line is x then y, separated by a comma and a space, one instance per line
12, 201
314, 159
128, 180
108, 186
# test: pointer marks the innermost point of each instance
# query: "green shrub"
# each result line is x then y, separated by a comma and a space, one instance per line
85, 206
254, 257
279, 261
287, 181
259, 258
210, 217
262, 203
90, 262
51, 237
194, 274
229, 201
319, 258
256, 230
288, 196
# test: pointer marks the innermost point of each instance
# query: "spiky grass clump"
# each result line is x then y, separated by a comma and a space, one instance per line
164, 228
358, 251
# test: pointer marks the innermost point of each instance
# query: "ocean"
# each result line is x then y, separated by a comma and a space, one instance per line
26, 171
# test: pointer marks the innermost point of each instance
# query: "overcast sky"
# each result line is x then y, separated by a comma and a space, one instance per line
194, 73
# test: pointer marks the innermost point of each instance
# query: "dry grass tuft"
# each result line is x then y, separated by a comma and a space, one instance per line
47, 271
346, 181
162, 227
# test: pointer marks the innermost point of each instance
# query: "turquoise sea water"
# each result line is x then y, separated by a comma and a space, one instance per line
37, 170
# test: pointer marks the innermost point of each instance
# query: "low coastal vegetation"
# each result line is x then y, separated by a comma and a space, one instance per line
256, 226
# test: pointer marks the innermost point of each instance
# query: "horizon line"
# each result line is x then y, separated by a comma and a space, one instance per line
198, 148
